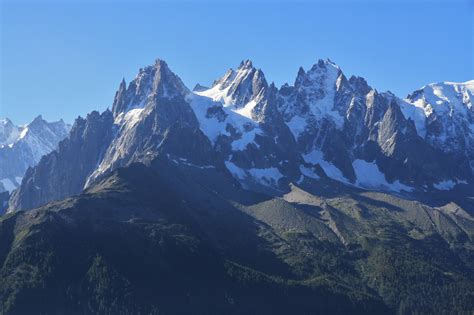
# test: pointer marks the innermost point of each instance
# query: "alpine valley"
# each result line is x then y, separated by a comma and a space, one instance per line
324, 196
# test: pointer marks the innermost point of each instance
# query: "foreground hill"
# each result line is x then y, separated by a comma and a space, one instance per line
162, 239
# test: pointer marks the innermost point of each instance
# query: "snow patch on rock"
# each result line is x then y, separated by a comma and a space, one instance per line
317, 157
308, 172
369, 176
215, 125
265, 176
448, 184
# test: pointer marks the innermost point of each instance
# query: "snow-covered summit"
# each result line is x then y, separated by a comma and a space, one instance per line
449, 111
445, 98
240, 90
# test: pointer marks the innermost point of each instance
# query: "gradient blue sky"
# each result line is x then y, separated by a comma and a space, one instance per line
62, 59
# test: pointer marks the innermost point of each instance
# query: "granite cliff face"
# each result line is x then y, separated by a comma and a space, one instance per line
258, 136
63, 172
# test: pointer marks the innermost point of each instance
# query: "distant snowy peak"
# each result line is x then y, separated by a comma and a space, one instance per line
39, 128
23, 146
449, 115
445, 98
9, 133
42, 137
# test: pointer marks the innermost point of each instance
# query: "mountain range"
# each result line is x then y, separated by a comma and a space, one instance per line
324, 196
324, 125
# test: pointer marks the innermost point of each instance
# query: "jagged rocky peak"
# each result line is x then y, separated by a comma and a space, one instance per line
151, 83
246, 64
312, 98
238, 88
323, 72
323, 79
165, 83
37, 122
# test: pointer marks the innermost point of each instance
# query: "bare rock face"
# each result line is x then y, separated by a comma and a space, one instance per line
4, 196
151, 83
63, 172
264, 138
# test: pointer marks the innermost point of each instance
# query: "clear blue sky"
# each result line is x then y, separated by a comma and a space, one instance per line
64, 58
